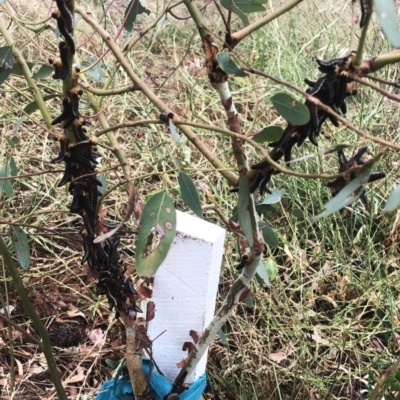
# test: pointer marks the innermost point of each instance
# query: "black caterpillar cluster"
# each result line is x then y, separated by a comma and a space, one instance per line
331, 88
80, 158
65, 25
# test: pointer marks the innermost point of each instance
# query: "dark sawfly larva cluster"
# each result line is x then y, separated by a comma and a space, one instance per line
332, 89
79, 153
366, 9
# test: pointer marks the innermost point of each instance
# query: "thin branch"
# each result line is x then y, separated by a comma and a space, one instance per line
110, 92
231, 177
377, 88
263, 153
324, 107
128, 125
248, 30
384, 81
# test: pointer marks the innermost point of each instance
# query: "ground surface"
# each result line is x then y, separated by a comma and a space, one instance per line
329, 323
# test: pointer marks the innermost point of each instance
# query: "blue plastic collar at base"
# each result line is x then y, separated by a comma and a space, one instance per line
121, 389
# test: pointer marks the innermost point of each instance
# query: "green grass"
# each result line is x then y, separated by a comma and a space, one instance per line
329, 323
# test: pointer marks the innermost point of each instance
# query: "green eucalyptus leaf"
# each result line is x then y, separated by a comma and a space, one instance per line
387, 17
137, 9
13, 167
156, 234
249, 300
393, 200
291, 109
228, 3
269, 134
21, 246
19, 123
32, 107
222, 336
174, 132
271, 268
189, 193
298, 213
17, 70
274, 197
6, 62
229, 65
269, 236
103, 188
346, 196
5, 184
243, 209
44, 72
263, 274
95, 72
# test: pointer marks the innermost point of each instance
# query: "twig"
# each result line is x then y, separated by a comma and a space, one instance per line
248, 30
377, 88
324, 107
18, 328
214, 160
384, 81
110, 92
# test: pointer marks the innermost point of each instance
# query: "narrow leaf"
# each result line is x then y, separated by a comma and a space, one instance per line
302, 158
269, 134
32, 107
263, 274
345, 197
19, 123
222, 336
103, 188
243, 208
393, 200
297, 213
228, 65
174, 132
44, 72
291, 109
387, 17
13, 167
272, 269
21, 246
189, 193
95, 72
17, 70
269, 236
228, 4
274, 197
5, 184
156, 234
137, 9
6, 62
